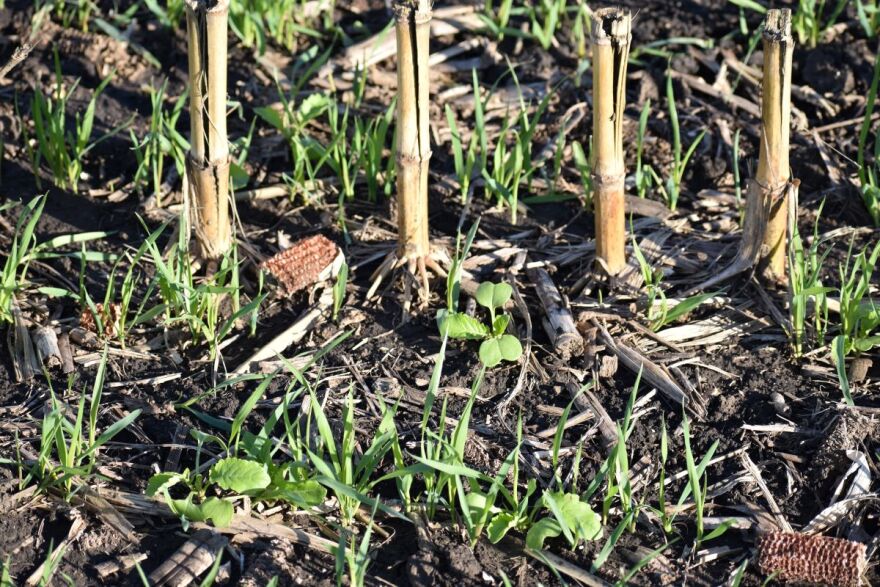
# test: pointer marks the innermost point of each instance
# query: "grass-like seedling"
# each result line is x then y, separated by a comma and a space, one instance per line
611, 40
813, 17
672, 191
63, 143
643, 176
167, 12
859, 313
868, 12
806, 293
208, 161
256, 22
869, 173
496, 345
70, 437
196, 304
468, 158
161, 142
25, 249
658, 310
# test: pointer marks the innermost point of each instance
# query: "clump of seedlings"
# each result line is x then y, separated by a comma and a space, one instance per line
412, 26
208, 160
611, 34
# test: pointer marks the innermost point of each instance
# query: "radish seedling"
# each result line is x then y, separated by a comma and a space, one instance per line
496, 345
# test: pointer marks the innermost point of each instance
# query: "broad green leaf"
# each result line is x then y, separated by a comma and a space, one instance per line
187, 509
542, 530
500, 525
161, 482
490, 352
218, 511
270, 115
239, 475
578, 515
458, 325
302, 494
500, 324
511, 348
493, 295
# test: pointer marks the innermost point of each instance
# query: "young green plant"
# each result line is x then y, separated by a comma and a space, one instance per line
496, 345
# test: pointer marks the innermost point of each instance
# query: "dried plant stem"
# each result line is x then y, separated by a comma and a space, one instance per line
611, 39
772, 178
414, 253
413, 141
208, 160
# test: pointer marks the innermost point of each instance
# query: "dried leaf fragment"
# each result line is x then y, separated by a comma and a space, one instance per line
812, 559
110, 319
301, 265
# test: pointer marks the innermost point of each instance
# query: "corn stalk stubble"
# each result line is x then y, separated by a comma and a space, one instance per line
772, 180
611, 36
208, 160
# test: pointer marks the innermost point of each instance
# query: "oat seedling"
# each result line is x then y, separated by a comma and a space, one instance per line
611, 38
869, 172
208, 161
161, 142
806, 294
868, 12
413, 154
466, 159
859, 312
672, 190
496, 345
63, 149
643, 177
70, 438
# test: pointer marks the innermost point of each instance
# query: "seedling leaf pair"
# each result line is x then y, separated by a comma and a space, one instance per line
496, 346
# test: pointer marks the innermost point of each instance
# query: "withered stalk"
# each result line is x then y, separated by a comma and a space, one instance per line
771, 182
413, 147
208, 160
611, 36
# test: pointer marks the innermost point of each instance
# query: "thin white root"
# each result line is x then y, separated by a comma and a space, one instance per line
416, 275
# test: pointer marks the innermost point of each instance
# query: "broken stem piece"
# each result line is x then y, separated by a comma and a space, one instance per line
208, 160
611, 39
414, 254
772, 178
413, 28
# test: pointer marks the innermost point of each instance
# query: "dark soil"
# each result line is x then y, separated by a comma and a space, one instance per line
384, 355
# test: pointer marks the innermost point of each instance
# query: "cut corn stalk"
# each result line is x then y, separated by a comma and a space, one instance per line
771, 183
208, 160
611, 35
413, 150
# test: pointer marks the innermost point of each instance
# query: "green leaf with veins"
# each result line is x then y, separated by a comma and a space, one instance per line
458, 325
542, 530
500, 324
500, 525
163, 481
578, 515
218, 511
240, 475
